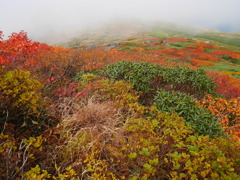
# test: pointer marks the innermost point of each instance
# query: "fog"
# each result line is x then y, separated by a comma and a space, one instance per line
60, 19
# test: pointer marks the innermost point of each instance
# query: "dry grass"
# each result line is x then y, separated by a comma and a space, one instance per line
93, 114
88, 124
91, 123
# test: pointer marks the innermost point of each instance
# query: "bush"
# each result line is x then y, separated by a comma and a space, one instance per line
19, 96
120, 92
227, 112
185, 106
226, 85
148, 77
139, 74
16, 156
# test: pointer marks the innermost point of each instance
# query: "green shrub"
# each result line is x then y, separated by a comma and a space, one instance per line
148, 77
139, 74
200, 118
194, 82
180, 44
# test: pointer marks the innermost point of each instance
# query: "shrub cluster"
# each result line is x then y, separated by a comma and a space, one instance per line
149, 77
185, 106
19, 96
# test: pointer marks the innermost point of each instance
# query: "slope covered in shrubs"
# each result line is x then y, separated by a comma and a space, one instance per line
116, 114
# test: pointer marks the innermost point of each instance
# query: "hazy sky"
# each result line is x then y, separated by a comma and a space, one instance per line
41, 17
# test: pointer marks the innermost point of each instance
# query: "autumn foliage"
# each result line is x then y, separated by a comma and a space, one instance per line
135, 111
227, 86
227, 111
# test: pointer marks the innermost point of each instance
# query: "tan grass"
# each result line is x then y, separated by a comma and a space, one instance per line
88, 124
94, 121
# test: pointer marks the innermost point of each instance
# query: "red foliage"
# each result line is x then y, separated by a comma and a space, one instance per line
232, 54
226, 85
67, 91
18, 51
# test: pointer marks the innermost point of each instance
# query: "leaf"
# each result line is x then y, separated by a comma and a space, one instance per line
133, 178
35, 122
132, 155
24, 124
148, 167
177, 166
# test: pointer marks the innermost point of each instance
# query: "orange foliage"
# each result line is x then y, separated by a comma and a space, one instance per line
190, 54
176, 39
235, 56
230, 72
98, 58
228, 113
202, 46
232, 54
199, 54
199, 63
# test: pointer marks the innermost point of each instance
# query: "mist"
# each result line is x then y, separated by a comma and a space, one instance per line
58, 20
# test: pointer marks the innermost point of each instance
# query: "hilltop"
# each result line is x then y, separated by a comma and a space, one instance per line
124, 101
125, 30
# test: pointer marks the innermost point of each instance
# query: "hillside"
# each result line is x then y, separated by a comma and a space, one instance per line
124, 101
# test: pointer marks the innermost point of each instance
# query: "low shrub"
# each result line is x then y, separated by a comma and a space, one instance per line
148, 77
185, 106
20, 97
17, 157
227, 112
227, 86
120, 92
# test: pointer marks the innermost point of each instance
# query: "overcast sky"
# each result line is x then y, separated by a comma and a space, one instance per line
40, 17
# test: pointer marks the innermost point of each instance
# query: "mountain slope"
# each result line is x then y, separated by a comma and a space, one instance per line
130, 102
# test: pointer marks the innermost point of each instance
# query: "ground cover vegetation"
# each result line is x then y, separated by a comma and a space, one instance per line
152, 108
